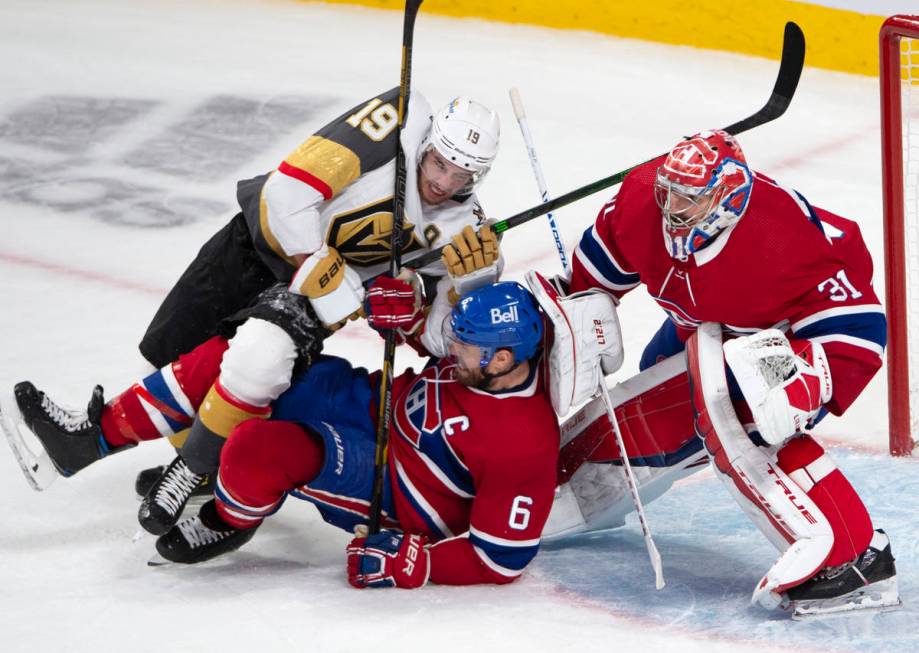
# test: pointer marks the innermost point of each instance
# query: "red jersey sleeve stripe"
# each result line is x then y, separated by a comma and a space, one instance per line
306, 178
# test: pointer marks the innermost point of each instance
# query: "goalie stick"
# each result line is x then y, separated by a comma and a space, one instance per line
785, 85
395, 263
517, 103
602, 390
653, 553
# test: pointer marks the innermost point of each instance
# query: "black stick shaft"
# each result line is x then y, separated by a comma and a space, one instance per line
785, 85
384, 417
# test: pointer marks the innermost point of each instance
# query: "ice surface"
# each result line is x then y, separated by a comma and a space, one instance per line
123, 128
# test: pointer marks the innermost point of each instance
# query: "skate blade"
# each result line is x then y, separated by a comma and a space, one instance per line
882, 596
159, 561
139, 535
33, 460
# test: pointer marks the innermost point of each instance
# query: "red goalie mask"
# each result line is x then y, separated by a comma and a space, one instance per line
702, 188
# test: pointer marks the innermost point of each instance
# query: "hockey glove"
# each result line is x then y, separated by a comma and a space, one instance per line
784, 382
334, 289
395, 303
388, 559
472, 259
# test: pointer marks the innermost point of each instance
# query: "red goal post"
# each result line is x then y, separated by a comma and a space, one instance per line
899, 73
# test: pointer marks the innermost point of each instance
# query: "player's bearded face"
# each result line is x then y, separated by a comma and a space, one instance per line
468, 370
439, 180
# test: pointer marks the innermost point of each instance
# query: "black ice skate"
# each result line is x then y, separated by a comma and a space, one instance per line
146, 478
200, 538
167, 496
69, 439
869, 582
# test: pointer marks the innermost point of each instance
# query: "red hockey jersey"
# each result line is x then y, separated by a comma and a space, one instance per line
785, 264
474, 470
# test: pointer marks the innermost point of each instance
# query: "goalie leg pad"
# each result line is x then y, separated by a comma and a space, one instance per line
788, 517
654, 412
812, 469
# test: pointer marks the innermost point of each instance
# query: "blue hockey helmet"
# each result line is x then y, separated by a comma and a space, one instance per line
501, 315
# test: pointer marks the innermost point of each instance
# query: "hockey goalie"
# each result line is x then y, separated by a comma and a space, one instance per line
772, 324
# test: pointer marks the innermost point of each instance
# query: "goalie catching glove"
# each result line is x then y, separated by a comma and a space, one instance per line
472, 259
784, 382
334, 289
389, 559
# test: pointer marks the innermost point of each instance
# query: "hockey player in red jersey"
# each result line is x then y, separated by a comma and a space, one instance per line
472, 454
788, 285
292, 265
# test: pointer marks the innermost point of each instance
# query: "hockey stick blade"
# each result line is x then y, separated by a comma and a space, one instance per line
785, 85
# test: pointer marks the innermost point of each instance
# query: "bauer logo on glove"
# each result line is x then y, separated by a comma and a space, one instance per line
334, 289
388, 559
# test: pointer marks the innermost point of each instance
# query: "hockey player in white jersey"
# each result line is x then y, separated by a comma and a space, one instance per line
290, 268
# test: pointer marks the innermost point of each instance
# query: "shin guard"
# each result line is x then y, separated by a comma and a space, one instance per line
781, 509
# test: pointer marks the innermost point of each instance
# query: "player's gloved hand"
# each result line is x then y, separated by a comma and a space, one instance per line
784, 382
395, 303
472, 259
388, 559
334, 289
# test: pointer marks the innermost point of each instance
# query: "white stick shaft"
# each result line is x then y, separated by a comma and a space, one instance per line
517, 103
633, 487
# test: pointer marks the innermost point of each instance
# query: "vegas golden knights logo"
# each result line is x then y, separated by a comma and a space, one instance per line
362, 234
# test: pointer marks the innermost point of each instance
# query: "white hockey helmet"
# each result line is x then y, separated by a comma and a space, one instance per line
466, 134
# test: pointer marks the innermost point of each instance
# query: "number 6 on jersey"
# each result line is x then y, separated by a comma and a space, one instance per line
520, 513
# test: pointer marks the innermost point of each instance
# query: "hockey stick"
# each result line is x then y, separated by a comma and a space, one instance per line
653, 553
395, 263
601, 386
785, 85
537, 170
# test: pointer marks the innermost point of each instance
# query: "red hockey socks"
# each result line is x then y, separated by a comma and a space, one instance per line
165, 402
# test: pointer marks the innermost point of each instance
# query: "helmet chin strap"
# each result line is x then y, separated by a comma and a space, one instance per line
488, 377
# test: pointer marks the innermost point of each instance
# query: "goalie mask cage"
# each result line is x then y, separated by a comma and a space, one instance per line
899, 70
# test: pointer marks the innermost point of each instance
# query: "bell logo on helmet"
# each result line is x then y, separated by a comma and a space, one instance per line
503, 317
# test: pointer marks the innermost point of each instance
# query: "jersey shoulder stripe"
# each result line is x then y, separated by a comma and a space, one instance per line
358, 141
601, 264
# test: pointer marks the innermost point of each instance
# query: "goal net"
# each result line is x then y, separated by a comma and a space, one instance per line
899, 70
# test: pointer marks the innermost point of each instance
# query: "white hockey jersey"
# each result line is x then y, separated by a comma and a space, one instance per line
337, 187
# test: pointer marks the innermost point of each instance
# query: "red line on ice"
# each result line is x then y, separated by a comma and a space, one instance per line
124, 284
85, 275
